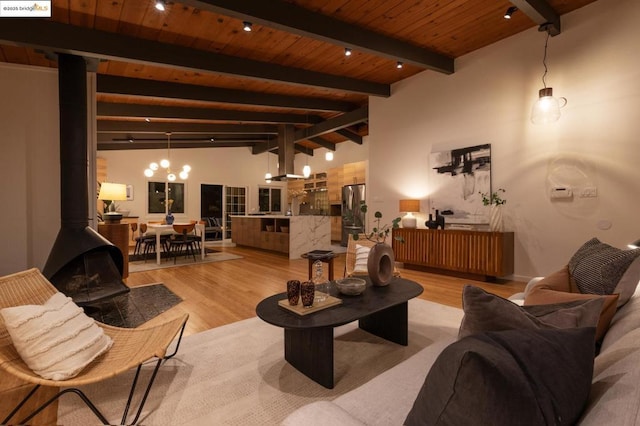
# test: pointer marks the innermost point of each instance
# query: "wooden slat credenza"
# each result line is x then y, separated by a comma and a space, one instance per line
470, 252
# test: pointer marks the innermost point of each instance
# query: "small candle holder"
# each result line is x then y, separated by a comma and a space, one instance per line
293, 292
307, 290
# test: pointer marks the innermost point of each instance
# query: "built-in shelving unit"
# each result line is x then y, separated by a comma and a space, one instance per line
253, 232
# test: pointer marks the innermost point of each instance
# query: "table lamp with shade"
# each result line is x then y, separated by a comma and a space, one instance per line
112, 192
409, 207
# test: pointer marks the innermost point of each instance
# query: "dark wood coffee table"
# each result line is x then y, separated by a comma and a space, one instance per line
308, 339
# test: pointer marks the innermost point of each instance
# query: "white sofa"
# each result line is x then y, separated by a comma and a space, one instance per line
388, 398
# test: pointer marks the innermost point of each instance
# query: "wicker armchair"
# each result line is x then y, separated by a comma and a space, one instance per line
350, 259
131, 347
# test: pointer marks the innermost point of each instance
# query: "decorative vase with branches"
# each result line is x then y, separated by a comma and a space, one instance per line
496, 200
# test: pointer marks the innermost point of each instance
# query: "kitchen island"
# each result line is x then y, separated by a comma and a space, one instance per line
291, 235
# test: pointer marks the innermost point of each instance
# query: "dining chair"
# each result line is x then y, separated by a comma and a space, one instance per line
146, 242
182, 241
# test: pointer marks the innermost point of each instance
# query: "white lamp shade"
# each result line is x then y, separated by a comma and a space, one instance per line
171, 177
183, 175
329, 156
186, 168
306, 171
547, 108
148, 173
112, 191
164, 163
153, 166
267, 177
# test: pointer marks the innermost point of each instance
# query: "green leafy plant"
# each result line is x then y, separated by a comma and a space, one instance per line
494, 198
379, 232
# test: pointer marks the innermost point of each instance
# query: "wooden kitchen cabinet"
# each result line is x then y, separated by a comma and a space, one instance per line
334, 185
336, 228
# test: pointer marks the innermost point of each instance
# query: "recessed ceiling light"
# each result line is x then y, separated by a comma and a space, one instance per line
148, 120
347, 51
399, 64
246, 25
160, 5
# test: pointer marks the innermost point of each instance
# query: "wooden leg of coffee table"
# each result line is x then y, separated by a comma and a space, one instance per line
311, 352
391, 324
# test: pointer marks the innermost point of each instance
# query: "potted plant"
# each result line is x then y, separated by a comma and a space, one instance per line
496, 201
379, 233
381, 260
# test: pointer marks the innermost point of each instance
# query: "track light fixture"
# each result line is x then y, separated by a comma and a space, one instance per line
399, 65
509, 12
246, 25
347, 51
160, 5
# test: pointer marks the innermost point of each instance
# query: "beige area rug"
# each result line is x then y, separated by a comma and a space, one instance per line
236, 374
150, 264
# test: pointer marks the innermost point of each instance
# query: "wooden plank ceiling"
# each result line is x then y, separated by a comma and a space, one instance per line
191, 70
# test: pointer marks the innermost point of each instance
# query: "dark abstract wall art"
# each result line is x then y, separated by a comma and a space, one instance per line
458, 175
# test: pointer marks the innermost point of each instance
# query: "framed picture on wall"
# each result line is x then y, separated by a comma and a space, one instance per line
457, 177
129, 192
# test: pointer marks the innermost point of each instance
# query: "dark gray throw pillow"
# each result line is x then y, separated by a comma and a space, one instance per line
596, 267
512, 377
484, 311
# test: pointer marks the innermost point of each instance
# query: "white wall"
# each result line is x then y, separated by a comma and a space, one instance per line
222, 166
29, 166
595, 65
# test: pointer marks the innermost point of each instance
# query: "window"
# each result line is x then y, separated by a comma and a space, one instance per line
269, 200
156, 203
235, 204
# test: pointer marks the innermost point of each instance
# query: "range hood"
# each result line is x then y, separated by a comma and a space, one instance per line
286, 153
288, 176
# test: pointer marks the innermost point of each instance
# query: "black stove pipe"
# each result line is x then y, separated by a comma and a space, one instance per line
72, 89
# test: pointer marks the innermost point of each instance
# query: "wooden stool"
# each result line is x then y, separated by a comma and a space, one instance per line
325, 256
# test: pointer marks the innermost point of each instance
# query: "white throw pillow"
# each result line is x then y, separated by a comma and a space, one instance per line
56, 340
362, 255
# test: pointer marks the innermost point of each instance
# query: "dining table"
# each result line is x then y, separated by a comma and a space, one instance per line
160, 228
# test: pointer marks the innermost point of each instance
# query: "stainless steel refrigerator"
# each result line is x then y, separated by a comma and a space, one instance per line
353, 220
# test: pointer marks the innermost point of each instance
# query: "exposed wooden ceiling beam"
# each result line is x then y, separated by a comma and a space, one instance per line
333, 124
46, 34
132, 127
323, 143
111, 109
540, 12
178, 138
141, 87
352, 136
124, 146
297, 20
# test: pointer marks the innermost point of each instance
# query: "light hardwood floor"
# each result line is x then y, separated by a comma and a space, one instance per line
219, 293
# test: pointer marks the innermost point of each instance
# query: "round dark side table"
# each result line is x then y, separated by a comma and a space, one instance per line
325, 256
